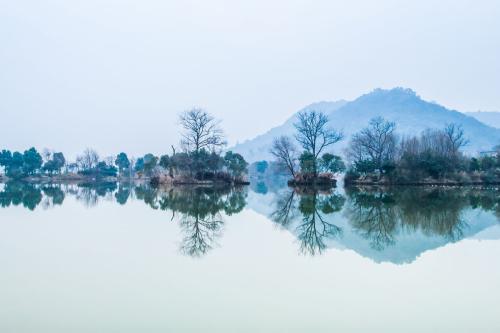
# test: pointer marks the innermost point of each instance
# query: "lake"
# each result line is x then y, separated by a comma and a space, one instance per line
264, 258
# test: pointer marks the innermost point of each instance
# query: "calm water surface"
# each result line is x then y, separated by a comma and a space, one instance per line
127, 258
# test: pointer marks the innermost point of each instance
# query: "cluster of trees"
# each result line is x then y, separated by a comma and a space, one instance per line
204, 165
314, 136
89, 164
30, 162
19, 165
487, 164
379, 153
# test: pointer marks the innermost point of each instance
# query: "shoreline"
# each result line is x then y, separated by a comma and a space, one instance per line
78, 179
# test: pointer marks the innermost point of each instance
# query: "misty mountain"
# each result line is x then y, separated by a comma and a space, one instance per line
403, 106
489, 118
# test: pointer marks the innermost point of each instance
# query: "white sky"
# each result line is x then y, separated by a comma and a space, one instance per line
114, 75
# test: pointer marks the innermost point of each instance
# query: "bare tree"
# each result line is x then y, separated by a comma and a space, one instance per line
88, 159
313, 134
376, 143
46, 154
285, 152
446, 142
201, 131
456, 138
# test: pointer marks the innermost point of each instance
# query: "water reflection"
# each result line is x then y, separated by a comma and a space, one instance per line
123, 193
380, 215
27, 195
311, 206
390, 224
379, 223
200, 211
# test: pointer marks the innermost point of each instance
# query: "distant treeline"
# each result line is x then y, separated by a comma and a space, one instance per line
200, 159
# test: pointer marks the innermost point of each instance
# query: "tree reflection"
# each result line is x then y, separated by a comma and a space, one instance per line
380, 214
91, 193
200, 214
286, 208
147, 194
20, 193
374, 216
435, 211
310, 208
199, 209
315, 229
54, 193
123, 193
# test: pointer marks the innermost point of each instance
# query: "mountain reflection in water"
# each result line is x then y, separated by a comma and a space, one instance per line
393, 224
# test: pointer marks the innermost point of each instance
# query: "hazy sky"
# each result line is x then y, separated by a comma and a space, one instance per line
115, 74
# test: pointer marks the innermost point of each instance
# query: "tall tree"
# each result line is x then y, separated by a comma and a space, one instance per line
122, 162
314, 135
456, 138
59, 161
5, 159
32, 161
150, 162
201, 131
139, 165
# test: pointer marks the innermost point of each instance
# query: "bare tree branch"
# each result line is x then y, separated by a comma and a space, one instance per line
201, 131
285, 152
313, 134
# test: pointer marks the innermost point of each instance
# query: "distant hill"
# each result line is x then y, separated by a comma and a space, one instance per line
403, 106
489, 118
